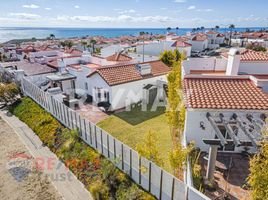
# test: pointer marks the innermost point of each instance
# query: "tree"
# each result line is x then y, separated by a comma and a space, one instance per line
167, 57
69, 44
149, 148
177, 28
178, 158
52, 36
93, 43
63, 44
168, 29
174, 101
256, 48
231, 27
8, 93
84, 44
258, 178
217, 27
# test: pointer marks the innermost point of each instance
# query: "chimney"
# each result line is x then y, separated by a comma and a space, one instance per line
144, 69
233, 62
61, 66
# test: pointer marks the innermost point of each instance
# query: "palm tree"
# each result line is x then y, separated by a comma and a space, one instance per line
84, 44
217, 27
93, 42
63, 44
202, 28
52, 36
168, 29
177, 28
69, 44
231, 27
193, 30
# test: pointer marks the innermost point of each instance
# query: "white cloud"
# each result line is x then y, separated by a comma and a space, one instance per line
77, 6
126, 11
118, 19
191, 7
163, 8
205, 10
33, 6
27, 16
180, 1
48, 8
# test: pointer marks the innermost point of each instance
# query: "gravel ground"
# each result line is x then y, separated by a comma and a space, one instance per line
18, 177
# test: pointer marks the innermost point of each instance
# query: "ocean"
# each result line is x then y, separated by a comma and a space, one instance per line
7, 33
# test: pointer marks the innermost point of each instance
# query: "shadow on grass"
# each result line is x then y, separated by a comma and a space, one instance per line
137, 116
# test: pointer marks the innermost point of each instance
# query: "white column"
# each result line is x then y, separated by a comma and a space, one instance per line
213, 150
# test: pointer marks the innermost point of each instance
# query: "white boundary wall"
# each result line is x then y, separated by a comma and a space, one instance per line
145, 173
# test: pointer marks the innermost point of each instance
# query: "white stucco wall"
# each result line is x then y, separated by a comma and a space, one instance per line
253, 67
199, 45
195, 133
110, 50
210, 63
96, 81
156, 48
128, 93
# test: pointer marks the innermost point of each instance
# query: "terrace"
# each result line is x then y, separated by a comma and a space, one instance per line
231, 184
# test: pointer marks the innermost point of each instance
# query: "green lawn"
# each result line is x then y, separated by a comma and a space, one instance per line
130, 127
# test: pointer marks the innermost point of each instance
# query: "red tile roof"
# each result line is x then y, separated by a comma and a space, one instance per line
224, 93
115, 75
212, 32
73, 51
250, 55
118, 57
220, 35
200, 37
181, 44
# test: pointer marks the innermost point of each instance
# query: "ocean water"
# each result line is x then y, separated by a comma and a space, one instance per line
7, 33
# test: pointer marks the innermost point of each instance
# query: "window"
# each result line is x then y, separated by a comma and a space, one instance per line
102, 95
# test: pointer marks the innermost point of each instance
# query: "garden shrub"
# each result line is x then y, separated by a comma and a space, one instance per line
99, 175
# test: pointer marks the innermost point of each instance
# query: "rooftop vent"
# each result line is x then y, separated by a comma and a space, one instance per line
144, 69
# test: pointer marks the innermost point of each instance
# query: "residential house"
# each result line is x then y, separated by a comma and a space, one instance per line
226, 111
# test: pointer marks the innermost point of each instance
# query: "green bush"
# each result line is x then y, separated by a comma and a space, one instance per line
98, 174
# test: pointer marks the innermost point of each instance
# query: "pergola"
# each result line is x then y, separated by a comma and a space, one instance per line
250, 126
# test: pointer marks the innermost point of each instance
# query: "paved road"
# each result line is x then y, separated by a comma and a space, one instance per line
63, 179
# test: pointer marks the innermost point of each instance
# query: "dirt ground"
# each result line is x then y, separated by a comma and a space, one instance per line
18, 177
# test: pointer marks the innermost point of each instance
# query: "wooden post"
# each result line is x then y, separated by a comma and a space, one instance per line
90, 133
161, 185
114, 149
150, 175
108, 145
96, 142
139, 169
173, 189
101, 142
130, 163
72, 119
85, 129
80, 126
122, 155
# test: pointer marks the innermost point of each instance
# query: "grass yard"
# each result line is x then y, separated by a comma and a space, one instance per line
131, 127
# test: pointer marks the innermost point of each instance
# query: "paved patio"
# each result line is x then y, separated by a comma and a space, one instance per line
92, 113
235, 183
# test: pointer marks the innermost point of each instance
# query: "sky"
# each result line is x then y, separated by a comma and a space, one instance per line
133, 13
